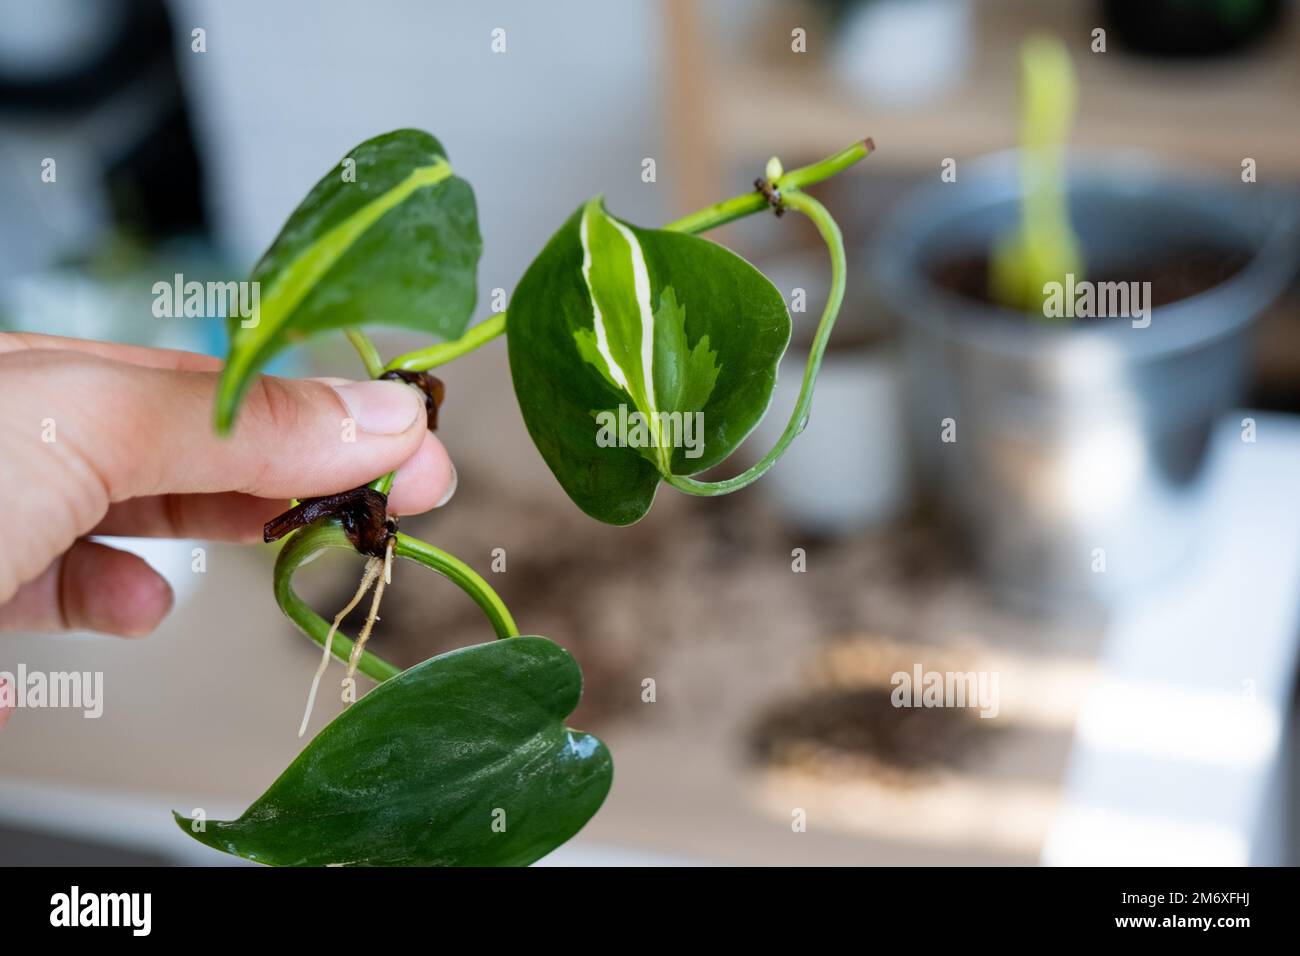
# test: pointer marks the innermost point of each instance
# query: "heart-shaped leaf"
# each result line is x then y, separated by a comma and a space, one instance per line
462, 760
389, 236
638, 353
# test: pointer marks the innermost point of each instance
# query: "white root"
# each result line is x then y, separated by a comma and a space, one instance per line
360, 644
368, 577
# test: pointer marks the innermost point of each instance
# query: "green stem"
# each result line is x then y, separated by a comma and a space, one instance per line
746, 204
298, 550
720, 213
463, 576
374, 362
830, 233
309, 542
424, 359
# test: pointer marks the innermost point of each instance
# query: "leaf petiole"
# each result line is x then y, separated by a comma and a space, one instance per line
424, 359
370, 356
302, 547
384, 483
830, 233
309, 542
461, 575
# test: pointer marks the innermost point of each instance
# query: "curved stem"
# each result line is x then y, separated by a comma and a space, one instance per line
366, 349
830, 233
806, 176
424, 359
310, 542
463, 576
720, 213
301, 548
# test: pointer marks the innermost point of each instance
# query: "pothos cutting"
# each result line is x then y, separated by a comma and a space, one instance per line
465, 758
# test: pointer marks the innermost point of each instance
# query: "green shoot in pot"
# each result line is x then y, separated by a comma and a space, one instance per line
1044, 248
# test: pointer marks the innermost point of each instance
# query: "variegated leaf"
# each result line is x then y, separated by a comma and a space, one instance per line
389, 236
671, 338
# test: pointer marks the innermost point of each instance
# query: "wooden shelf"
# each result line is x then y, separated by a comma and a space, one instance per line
1204, 113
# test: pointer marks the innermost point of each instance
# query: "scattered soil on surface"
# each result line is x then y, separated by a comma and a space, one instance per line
842, 725
859, 730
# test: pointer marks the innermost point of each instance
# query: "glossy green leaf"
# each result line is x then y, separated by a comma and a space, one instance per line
670, 339
388, 236
418, 771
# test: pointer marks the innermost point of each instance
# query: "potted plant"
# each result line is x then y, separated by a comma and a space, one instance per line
1065, 429
638, 356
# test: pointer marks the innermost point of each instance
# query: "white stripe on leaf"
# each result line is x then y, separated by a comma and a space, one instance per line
613, 371
660, 340
641, 282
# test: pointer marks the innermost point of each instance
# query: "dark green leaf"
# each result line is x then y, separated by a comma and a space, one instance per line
604, 296
417, 772
392, 240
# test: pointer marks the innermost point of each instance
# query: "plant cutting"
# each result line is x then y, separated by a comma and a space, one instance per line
465, 759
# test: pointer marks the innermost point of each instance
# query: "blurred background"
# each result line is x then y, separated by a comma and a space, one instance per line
1102, 516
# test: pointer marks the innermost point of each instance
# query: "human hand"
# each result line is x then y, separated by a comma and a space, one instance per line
109, 440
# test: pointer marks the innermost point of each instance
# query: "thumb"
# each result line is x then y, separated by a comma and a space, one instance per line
146, 431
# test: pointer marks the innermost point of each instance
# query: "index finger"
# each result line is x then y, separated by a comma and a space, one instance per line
172, 359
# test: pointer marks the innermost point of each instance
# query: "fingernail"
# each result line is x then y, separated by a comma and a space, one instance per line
381, 408
451, 488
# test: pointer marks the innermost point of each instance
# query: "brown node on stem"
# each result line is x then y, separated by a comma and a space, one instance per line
771, 194
433, 388
363, 513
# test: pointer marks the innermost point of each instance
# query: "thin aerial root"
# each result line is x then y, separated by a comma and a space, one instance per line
367, 579
373, 616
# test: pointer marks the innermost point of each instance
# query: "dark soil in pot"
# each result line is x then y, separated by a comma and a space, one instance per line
1175, 274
